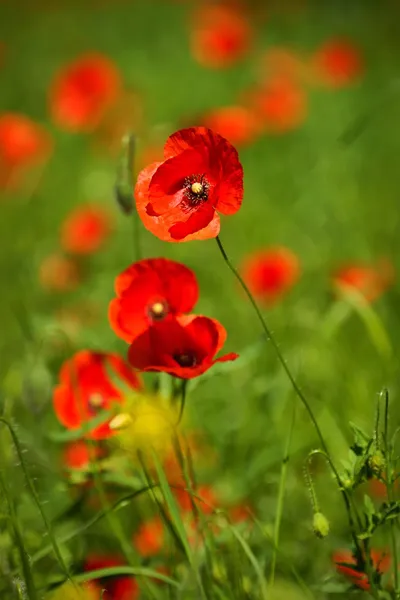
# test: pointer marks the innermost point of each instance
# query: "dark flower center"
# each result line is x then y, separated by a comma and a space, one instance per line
185, 359
157, 311
196, 190
95, 403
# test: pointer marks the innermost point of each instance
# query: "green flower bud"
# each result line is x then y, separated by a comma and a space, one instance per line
376, 463
320, 525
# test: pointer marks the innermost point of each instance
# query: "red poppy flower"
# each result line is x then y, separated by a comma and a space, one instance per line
282, 104
283, 62
149, 291
23, 144
337, 63
59, 274
78, 455
149, 539
178, 199
83, 91
85, 229
221, 35
346, 564
206, 503
238, 124
270, 273
369, 281
85, 388
114, 588
183, 347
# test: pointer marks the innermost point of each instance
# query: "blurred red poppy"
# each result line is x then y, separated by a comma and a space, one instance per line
149, 538
281, 103
205, 500
346, 564
83, 91
337, 63
59, 273
283, 62
22, 141
85, 229
149, 291
238, 124
113, 588
86, 388
270, 273
184, 347
369, 281
78, 455
221, 35
178, 199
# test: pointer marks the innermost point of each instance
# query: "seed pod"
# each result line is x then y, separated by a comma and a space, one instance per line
320, 525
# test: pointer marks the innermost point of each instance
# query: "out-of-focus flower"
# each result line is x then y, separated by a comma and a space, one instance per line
281, 104
150, 291
221, 35
337, 63
149, 538
185, 347
113, 588
59, 273
86, 388
179, 199
346, 564
238, 124
22, 141
79, 455
73, 319
369, 281
86, 229
270, 273
203, 497
83, 91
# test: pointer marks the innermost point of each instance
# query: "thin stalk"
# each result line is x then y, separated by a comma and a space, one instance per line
112, 518
294, 384
281, 496
183, 401
19, 540
36, 500
389, 489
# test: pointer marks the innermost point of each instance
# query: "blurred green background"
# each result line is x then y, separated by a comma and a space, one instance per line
327, 190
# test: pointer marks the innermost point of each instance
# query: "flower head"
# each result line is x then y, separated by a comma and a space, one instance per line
238, 124
179, 199
281, 104
113, 588
83, 91
184, 347
270, 273
148, 292
149, 538
348, 565
59, 273
85, 229
85, 388
221, 35
337, 63
367, 280
22, 141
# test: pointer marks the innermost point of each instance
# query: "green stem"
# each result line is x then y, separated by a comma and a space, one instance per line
293, 382
183, 401
112, 518
36, 499
19, 540
281, 495
389, 489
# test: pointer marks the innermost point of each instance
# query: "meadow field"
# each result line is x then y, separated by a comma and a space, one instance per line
174, 173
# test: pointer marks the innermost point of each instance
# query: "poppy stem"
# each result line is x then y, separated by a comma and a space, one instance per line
389, 489
183, 400
296, 388
281, 495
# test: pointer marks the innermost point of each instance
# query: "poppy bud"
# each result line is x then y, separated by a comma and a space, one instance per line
346, 482
376, 463
320, 525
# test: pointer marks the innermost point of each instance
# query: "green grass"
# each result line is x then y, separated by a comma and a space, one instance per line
328, 194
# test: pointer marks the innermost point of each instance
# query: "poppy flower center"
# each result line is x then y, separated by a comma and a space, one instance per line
157, 311
95, 402
196, 190
185, 359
